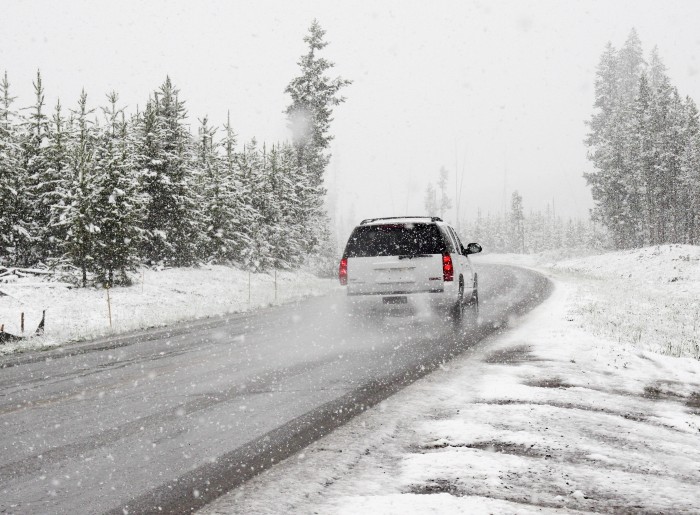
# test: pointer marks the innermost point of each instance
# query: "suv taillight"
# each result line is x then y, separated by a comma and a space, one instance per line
343, 271
447, 269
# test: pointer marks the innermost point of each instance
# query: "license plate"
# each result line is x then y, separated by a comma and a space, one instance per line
395, 300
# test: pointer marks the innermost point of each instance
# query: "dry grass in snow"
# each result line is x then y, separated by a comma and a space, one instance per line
648, 298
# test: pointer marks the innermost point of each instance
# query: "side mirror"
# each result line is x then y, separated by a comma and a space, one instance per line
472, 248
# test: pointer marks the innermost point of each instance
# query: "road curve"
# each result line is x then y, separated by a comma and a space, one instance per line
166, 420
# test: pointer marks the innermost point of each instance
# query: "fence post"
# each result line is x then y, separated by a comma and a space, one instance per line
21, 322
275, 286
248, 289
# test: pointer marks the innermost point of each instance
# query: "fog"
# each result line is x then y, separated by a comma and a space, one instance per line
496, 90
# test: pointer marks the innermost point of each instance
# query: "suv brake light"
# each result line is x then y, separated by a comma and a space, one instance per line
447, 269
343, 271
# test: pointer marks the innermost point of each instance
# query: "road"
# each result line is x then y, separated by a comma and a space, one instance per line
167, 420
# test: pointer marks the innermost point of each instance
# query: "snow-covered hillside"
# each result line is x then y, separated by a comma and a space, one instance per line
649, 297
559, 414
157, 298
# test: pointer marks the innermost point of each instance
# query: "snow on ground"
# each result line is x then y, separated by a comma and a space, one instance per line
552, 416
156, 298
649, 298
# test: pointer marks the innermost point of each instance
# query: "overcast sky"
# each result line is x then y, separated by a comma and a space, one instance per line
500, 88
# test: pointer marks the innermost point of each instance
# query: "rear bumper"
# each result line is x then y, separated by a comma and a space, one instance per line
415, 303
392, 292
446, 288
446, 294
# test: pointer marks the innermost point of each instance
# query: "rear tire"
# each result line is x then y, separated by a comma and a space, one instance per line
473, 304
457, 310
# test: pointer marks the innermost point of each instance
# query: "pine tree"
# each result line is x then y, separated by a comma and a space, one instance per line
657, 76
148, 160
314, 95
640, 192
517, 224
257, 254
241, 213
14, 227
58, 179
115, 202
218, 195
269, 208
663, 116
164, 154
672, 215
606, 142
289, 249
211, 191
606, 97
445, 203
77, 216
643, 147
631, 63
38, 184
615, 184
689, 179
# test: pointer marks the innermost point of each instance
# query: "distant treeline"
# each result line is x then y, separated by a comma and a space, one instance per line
534, 232
644, 143
102, 192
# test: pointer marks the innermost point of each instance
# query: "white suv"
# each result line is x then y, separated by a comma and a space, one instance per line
411, 257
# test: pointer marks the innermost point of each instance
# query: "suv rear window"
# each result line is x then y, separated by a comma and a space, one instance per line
394, 240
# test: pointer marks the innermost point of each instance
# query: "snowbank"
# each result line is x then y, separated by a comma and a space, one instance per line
157, 298
656, 265
648, 298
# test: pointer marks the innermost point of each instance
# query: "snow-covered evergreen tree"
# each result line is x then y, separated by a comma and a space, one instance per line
257, 255
641, 149
14, 222
631, 64
164, 155
314, 95
78, 194
613, 140
532, 233
116, 205
218, 193
688, 202
445, 203
517, 224
242, 213
77, 216
430, 200
290, 244
57, 175
640, 192
37, 193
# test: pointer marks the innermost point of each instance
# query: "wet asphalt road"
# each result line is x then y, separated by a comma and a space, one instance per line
167, 420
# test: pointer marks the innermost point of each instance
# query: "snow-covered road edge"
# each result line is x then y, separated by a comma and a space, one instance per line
548, 417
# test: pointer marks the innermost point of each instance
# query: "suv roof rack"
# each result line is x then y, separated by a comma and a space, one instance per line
431, 218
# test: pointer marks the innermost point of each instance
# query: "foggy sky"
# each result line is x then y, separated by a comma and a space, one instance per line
499, 89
